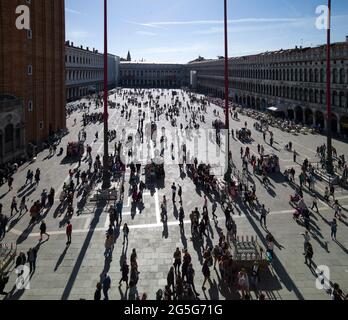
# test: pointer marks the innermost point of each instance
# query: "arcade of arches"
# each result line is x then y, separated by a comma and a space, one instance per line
11, 128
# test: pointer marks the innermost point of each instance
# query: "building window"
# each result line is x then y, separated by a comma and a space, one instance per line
41, 125
29, 34
30, 70
30, 106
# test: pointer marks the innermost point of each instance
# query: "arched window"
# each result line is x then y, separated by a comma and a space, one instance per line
335, 99
316, 75
342, 77
334, 76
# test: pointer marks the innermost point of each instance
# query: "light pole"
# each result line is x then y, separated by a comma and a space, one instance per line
106, 174
329, 162
227, 114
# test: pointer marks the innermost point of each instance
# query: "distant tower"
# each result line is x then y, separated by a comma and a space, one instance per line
129, 58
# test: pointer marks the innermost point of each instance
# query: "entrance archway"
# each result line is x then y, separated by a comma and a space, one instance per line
299, 114
309, 120
291, 114
334, 124
319, 119
344, 125
249, 102
258, 104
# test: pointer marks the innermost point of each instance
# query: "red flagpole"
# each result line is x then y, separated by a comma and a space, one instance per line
329, 164
106, 176
226, 84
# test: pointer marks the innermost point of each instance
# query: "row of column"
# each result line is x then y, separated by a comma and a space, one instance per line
315, 119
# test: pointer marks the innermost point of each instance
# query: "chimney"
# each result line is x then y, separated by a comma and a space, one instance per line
346, 38
72, 44
81, 47
87, 48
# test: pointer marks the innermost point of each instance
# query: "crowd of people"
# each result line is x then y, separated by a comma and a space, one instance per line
183, 112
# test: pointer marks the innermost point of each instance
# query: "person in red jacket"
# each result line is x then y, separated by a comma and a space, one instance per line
69, 232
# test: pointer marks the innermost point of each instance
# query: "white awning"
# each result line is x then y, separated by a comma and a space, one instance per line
273, 109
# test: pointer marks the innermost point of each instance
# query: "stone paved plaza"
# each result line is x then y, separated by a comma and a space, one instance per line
72, 272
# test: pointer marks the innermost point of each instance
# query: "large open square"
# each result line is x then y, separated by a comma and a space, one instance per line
72, 271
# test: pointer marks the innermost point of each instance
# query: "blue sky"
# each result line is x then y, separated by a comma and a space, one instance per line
181, 30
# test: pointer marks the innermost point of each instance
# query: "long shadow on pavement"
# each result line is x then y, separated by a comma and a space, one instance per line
83, 251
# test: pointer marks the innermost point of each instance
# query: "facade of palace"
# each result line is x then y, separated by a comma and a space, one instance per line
84, 71
151, 75
293, 81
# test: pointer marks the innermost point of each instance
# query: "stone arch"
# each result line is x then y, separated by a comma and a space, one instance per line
291, 114
248, 101
309, 117
320, 119
253, 104
334, 123
299, 114
344, 125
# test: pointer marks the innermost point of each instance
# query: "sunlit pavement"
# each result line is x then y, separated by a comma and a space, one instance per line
73, 272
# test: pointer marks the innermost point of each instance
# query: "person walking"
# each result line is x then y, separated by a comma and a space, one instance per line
171, 278
23, 206
309, 255
307, 239
177, 260
206, 273
106, 285
32, 255
69, 232
333, 229
180, 194
10, 182
263, 214
125, 233
125, 273
315, 204
14, 206
173, 192
43, 230
295, 156
97, 293
181, 217
37, 176
190, 277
